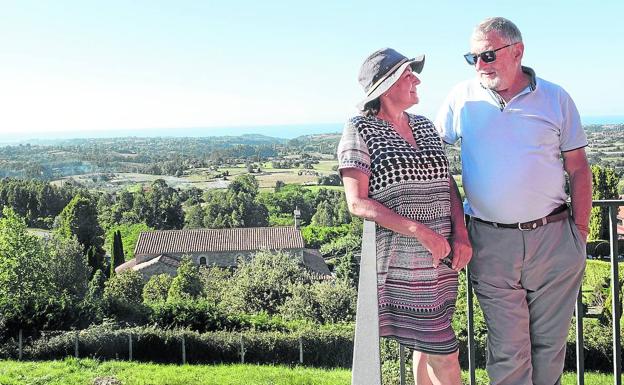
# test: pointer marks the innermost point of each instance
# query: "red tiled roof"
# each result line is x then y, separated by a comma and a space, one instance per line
215, 240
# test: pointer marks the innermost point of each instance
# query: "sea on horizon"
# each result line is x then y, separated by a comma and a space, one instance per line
277, 131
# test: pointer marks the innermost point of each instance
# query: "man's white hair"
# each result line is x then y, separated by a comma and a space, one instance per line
505, 28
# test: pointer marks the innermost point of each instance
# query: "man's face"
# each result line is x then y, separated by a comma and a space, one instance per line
499, 74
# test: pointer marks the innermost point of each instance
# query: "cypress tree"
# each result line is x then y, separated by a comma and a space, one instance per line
117, 258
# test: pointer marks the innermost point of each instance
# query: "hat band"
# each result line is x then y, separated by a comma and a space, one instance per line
386, 76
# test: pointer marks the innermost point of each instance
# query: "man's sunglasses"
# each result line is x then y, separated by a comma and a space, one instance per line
486, 56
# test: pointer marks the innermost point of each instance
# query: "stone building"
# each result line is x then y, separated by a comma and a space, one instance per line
159, 252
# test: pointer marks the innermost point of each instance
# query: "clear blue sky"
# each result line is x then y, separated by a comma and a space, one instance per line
95, 65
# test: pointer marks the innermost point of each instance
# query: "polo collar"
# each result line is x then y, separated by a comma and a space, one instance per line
532, 87
532, 78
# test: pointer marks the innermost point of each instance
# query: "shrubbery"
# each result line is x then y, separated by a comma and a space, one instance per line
324, 347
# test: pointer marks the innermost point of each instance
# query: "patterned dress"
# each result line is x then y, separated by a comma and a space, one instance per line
416, 300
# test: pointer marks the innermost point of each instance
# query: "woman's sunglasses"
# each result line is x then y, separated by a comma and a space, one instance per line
486, 56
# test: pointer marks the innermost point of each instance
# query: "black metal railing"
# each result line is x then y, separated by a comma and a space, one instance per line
613, 206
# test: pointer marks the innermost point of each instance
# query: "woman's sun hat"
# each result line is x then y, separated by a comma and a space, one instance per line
382, 69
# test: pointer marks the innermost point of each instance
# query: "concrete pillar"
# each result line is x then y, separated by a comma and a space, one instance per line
366, 368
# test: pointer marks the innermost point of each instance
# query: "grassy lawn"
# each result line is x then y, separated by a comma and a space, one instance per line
82, 372
591, 378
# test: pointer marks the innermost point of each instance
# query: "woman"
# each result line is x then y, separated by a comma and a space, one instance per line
395, 173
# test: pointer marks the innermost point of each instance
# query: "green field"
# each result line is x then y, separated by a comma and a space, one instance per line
203, 178
84, 371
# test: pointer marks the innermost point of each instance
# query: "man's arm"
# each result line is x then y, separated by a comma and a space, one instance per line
576, 165
462, 250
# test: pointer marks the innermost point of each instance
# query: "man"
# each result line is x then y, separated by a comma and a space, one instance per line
528, 249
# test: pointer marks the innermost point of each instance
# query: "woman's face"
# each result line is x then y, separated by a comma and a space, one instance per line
403, 92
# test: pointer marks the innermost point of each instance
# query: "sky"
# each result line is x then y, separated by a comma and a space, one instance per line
88, 66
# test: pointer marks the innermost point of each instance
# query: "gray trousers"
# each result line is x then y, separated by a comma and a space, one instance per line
527, 283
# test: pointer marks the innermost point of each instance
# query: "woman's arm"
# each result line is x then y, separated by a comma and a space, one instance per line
356, 191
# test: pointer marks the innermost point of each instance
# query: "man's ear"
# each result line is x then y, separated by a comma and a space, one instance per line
519, 50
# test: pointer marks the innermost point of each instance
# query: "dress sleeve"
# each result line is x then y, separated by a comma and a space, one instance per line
352, 150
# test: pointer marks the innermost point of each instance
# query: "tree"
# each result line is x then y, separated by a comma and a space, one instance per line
279, 185
68, 273
289, 197
330, 180
194, 218
79, 218
24, 285
187, 284
123, 296
156, 289
165, 207
68, 267
129, 235
237, 206
605, 182
117, 257
215, 282
347, 269
336, 301
324, 215
321, 302
93, 304
263, 284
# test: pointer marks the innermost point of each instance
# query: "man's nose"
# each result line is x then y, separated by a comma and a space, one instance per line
480, 63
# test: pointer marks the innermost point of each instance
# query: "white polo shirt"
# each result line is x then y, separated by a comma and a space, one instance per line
511, 166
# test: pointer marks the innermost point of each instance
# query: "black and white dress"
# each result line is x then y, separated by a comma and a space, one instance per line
416, 300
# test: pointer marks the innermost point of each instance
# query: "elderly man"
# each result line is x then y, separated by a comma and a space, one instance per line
528, 245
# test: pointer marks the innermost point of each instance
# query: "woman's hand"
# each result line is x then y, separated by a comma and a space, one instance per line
437, 245
462, 252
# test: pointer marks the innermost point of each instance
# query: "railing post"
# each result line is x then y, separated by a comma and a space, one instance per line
300, 350
580, 352
366, 368
471, 343
76, 342
129, 347
20, 344
402, 363
183, 351
242, 349
615, 294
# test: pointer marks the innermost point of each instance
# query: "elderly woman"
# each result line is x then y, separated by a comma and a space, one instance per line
395, 172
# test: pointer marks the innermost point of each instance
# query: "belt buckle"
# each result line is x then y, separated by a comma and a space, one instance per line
532, 226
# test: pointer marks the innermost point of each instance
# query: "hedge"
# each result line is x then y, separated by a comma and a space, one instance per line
322, 347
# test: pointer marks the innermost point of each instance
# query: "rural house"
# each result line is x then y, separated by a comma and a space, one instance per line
160, 252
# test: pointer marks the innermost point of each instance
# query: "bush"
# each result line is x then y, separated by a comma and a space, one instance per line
198, 315
321, 302
316, 236
263, 283
186, 284
156, 289
123, 295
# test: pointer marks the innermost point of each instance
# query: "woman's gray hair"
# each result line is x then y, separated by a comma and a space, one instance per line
505, 28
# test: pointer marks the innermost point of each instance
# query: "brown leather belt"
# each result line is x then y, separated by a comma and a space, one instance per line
558, 214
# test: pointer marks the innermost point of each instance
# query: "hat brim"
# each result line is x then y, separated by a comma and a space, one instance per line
417, 65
